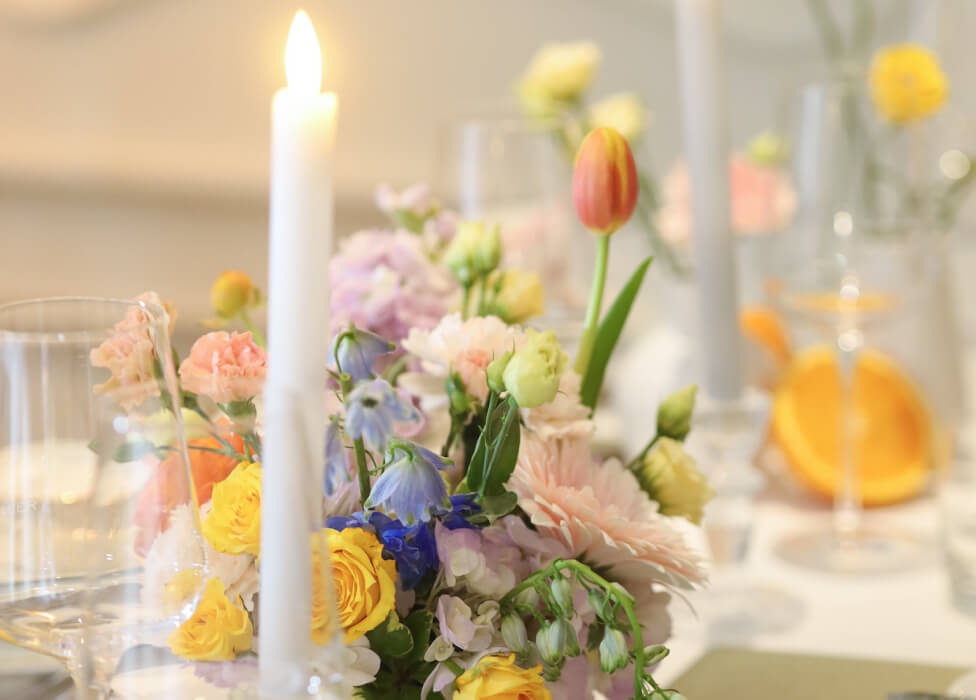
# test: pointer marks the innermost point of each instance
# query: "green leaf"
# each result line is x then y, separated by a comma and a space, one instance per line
391, 639
501, 462
499, 504
419, 623
608, 334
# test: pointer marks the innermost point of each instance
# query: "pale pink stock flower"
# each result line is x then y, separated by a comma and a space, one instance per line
225, 367
600, 513
761, 198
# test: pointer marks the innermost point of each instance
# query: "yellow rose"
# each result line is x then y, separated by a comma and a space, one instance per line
558, 73
498, 678
907, 83
518, 295
233, 525
218, 630
669, 476
365, 584
624, 112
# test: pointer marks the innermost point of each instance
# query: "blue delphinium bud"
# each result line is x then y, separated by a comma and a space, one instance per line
354, 352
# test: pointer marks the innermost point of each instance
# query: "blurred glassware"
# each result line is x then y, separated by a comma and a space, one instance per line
509, 171
81, 512
957, 494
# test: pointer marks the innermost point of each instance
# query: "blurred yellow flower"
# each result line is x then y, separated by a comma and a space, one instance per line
907, 83
233, 292
624, 112
218, 630
365, 584
475, 250
669, 476
498, 678
558, 73
518, 295
233, 525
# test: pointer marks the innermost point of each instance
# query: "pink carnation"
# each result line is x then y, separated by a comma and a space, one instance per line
600, 513
225, 367
761, 199
384, 282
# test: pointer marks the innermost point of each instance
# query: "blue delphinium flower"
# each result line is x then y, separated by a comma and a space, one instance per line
412, 548
371, 409
411, 485
463, 505
336, 464
354, 352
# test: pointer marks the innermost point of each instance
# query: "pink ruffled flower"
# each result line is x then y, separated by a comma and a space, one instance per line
600, 513
761, 198
129, 353
225, 367
384, 282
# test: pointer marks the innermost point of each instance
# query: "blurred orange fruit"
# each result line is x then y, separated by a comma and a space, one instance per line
763, 326
893, 431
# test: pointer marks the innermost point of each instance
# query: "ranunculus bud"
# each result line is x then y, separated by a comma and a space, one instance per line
532, 375
614, 654
232, 292
674, 413
514, 633
496, 372
605, 183
562, 596
669, 476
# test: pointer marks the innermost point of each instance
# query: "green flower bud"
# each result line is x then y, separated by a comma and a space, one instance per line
474, 251
552, 672
562, 596
567, 637
674, 413
597, 600
532, 375
496, 370
514, 633
549, 644
528, 597
457, 395
614, 654
669, 476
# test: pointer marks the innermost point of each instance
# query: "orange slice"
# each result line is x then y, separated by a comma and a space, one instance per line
893, 432
763, 326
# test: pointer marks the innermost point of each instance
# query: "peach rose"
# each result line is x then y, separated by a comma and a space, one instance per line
225, 367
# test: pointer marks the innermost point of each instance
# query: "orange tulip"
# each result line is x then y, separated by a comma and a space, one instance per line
605, 183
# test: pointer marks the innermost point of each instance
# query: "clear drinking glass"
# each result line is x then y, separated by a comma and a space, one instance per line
508, 171
82, 508
957, 494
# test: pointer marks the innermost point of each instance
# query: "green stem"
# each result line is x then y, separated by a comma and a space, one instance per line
596, 302
640, 455
482, 293
465, 299
251, 326
362, 469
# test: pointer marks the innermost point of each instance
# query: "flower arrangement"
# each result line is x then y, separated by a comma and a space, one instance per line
479, 549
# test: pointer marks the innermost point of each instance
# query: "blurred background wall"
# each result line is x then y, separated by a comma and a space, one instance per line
134, 133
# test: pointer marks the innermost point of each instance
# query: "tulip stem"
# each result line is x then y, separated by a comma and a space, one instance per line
593, 310
251, 326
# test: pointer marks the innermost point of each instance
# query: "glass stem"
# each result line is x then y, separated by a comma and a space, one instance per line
847, 501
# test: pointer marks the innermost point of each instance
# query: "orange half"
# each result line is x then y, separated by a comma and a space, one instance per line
893, 431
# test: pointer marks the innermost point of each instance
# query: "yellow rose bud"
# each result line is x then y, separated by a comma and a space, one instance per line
474, 251
532, 375
365, 585
559, 72
518, 295
605, 186
233, 525
498, 678
218, 630
232, 293
669, 476
624, 112
907, 83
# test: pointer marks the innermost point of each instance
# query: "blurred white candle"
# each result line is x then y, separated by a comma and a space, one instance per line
302, 137
706, 147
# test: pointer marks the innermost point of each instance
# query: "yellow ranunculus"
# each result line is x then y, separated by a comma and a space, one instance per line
624, 112
233, 525
907, 83
218, 630
498, 678
233, 292
519, 295
669, 476
365, 585
532, 375
559, 72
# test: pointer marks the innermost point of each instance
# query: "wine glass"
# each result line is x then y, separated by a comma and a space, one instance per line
83, 510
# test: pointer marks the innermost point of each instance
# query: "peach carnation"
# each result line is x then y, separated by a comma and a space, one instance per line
225, 367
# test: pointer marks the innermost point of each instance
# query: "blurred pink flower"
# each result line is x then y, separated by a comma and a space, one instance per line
225, 367
761, 199
415, 199
384, 282
600, 513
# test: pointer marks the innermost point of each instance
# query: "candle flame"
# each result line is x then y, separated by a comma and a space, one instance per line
303, 57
